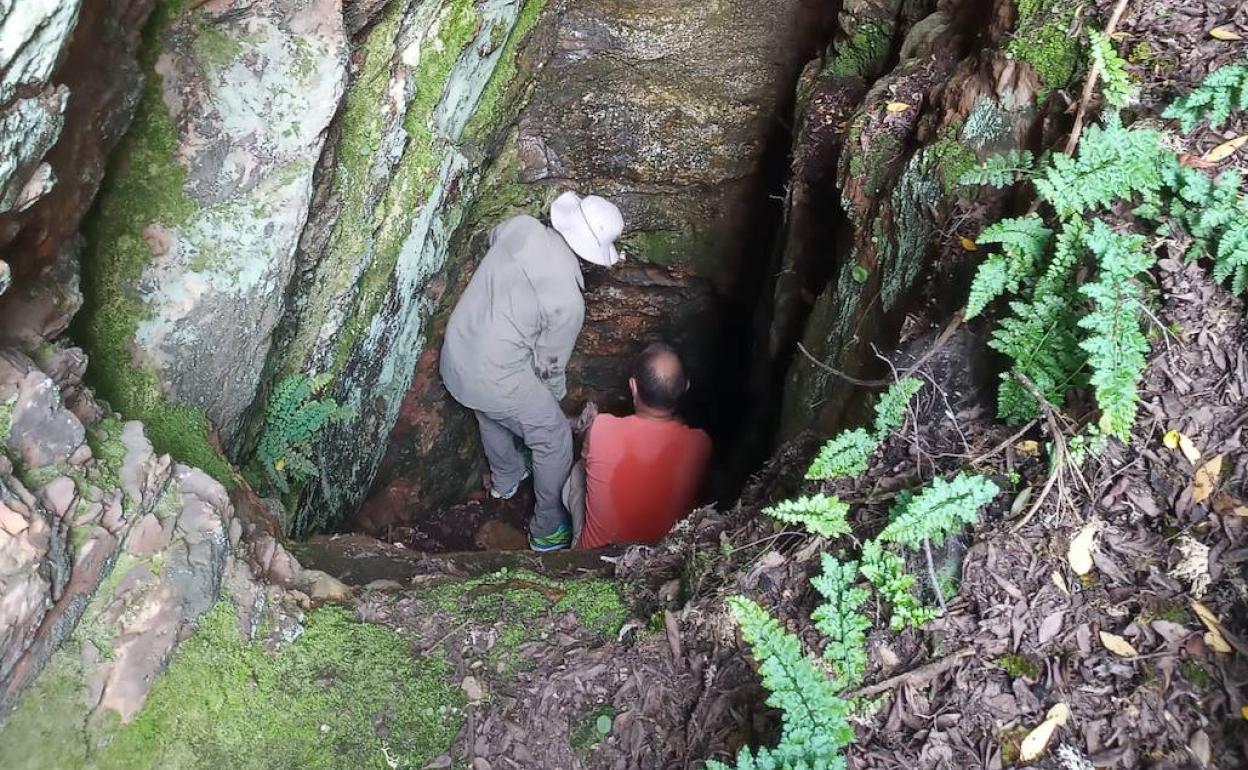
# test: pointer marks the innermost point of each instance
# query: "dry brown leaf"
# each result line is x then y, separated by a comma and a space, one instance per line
1216, 642
1060, 582
1028, 447
1117, 645
1225, 150
1079, 553
1224, 33
1175, 440
1206, 479
1213, 637
1038, 739
897, 106
968, 244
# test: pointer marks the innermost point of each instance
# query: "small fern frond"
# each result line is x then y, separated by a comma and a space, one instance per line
1024, 241
1041, 338
1220, 93
818, 514
1112, 163
838, 618
810, 706
845, 455
292, 421
1116, 346
1000, 170
890, 411
1116, 84
887, 572
939, 510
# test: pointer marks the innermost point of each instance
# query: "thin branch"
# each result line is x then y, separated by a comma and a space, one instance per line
920, 675
945, 334
1059, 442
931, 574
1089, 85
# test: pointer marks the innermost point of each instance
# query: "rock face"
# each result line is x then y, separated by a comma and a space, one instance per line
195, 239
631, 101
871, 203
80, 58
110, 549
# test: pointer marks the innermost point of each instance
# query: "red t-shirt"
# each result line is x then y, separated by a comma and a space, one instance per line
641, 477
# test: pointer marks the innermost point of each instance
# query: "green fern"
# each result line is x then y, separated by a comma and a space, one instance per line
292, 421
887, 572
1041, 338
838, 619
1000, 170
845, 455
1112, 163
820, 515
1222, 91
814, 724
1215, 213
1116, 345
1024, 241
890, 410
939, 510
1116, 85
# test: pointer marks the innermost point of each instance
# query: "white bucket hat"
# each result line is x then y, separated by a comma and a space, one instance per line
590, 226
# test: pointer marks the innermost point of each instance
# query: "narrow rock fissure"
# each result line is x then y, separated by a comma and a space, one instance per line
735, 399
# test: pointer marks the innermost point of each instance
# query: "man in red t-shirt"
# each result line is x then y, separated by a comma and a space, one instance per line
640, 474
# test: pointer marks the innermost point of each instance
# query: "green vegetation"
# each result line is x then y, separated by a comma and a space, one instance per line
503, 92
1017, 665
864, 53
886, 571
1065, 331
1043, 39
1116, 85
839, 619
590, 730
344, 694
814, 726
291, 423
848, 453
144, 187
1224, 90
939, 510
818, 513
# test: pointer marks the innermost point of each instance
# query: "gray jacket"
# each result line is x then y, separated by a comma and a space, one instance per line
516, 323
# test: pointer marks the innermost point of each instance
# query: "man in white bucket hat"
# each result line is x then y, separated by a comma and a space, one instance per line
508, 342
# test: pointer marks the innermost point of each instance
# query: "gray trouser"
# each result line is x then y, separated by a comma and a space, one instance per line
544, 429
574, 499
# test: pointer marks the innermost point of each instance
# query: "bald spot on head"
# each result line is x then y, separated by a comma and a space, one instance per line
660, 377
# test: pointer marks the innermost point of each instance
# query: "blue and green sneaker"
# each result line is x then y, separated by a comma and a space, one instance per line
556, 541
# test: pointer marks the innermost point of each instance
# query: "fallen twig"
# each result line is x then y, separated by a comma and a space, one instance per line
920, 675
1059, 442
1089, 85
931, 574
945, 334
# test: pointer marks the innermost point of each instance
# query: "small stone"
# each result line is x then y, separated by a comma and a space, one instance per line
384, 585
439, 762
481, 763
472, 689
324, 728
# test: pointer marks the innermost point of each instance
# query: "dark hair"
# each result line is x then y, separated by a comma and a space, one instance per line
658, 385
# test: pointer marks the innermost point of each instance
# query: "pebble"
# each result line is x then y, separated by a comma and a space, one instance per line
472, 689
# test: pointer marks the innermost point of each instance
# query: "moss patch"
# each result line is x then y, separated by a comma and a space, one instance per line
144, 186
415, 174
503, 91
1043, 39
342, 695
1017, 665
587, 733
864, 53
